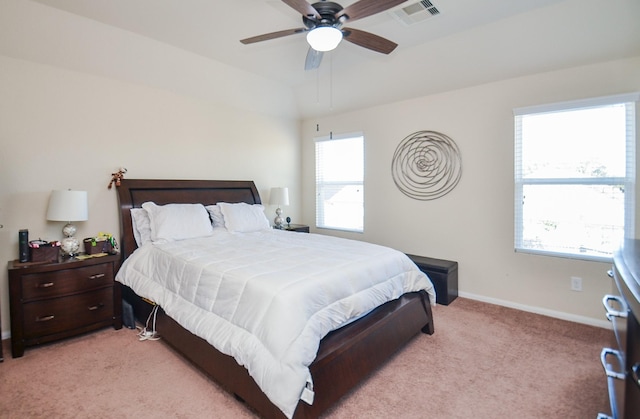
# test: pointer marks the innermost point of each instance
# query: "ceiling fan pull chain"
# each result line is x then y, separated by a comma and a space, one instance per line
331, 80
318, 85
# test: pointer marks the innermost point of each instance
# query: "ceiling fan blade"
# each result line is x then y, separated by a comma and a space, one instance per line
303, 8
369, 40
313, 60
272, 35
364, 8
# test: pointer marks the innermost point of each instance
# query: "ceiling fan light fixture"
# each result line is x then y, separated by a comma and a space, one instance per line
324, 38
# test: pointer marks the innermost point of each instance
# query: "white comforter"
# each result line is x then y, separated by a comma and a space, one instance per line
268, 298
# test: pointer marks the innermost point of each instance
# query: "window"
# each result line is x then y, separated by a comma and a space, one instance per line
340, 182
575, 177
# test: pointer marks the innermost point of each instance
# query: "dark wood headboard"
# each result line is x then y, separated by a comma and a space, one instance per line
132, 193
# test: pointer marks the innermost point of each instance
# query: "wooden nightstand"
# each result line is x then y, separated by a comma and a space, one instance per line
51, 301
300, 228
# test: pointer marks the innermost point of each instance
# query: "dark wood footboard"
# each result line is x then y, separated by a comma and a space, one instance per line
345, 357
348, 355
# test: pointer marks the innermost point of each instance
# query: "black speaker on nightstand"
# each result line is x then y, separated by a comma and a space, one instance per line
23, 245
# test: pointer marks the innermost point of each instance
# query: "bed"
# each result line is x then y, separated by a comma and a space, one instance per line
345, 356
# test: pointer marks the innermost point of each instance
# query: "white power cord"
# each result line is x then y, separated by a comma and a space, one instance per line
144, 333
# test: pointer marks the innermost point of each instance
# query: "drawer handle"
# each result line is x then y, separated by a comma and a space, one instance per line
96, 307
611, 312
608, 367
45, 285
635, 373
45, 318
610, 273
96, 276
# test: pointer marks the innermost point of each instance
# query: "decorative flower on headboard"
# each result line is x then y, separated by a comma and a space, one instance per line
117, 177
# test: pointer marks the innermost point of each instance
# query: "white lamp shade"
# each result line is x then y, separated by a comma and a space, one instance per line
68, 206
324, 38
279, 196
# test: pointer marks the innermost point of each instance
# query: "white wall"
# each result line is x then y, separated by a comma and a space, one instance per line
473, 224
69, 117
37, 33
79, 99
60, 129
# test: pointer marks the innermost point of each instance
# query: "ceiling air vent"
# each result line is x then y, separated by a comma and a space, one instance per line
416, 12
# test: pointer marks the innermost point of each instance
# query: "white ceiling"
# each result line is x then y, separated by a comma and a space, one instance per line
469, 42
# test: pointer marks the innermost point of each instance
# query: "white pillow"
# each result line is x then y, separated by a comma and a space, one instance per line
217, 219
141, 226
178, 221
244, 217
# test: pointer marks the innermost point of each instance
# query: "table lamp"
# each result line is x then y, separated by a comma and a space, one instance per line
279, 197
68, 206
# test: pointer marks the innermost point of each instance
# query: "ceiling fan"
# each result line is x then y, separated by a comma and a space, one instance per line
323, 23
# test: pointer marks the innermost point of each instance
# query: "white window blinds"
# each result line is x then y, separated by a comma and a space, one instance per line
340, 182
575, 177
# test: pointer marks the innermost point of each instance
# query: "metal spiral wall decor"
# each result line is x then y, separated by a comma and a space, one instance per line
426, 165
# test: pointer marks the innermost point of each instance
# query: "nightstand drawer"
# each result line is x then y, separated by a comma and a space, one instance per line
61, 314
66, 281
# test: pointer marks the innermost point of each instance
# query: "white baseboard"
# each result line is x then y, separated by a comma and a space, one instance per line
5, 335
605, 324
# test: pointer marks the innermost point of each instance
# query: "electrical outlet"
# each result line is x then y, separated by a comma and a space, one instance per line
576, 283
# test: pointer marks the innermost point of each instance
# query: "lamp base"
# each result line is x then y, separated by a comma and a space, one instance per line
69, 245
278, 221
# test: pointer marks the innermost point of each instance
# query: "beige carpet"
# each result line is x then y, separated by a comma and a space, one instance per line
484, 361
